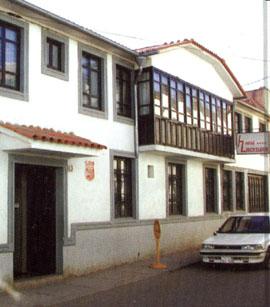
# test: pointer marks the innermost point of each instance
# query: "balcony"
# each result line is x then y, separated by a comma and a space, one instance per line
176, 114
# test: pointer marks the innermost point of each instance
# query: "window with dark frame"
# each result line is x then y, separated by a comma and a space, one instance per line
91, 81
240, 190
262, 127
238, 122
176, 182
210, 190
123, 91
122, 168
55, 54
227, 191
248, 124
179, 101
9, 56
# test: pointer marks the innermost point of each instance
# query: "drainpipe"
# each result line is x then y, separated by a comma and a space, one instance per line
139, 61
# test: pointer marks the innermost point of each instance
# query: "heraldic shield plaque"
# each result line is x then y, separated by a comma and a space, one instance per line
89, 170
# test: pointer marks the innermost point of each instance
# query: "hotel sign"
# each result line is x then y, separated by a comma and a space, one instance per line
253, 143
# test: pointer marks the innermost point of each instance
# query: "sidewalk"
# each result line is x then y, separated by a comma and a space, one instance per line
59, 290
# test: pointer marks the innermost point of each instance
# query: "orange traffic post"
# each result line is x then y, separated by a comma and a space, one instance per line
157, 234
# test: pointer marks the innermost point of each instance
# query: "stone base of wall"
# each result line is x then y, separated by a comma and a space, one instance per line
101, 248
6, 267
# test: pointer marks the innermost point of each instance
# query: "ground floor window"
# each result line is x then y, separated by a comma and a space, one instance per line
257, 193
176, 190
227, 191
123, 194
210, 179
240, 190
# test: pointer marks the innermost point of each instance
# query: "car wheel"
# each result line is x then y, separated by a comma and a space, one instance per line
267, 261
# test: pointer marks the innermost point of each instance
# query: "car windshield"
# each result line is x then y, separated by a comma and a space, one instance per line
246, 224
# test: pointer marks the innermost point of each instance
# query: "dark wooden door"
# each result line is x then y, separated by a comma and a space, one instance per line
257, 193
210, 190
40, 220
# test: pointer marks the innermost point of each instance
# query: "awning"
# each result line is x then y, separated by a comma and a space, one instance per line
30, 139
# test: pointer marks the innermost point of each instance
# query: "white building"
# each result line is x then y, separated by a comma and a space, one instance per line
160, 121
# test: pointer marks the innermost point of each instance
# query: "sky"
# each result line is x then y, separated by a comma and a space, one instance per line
233, 28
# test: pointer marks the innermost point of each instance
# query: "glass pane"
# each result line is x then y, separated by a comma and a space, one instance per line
55, 56
156, 76
165, 113
11, 57
84, 61
164, 80
117, 90
85, 101
180, 86
156, 93
11, 80
144, 93
94, 102
11, 35
165, 96
188, 105
86, 87
144, 110
94, 83
157, 110
94, 64
173, 84
181, 118
173, 100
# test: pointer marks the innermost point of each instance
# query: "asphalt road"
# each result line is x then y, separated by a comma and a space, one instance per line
195, 285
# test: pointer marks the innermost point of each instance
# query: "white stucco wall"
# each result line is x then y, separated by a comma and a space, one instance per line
4, 197
191, 68
152, 191
195, 189
88, 201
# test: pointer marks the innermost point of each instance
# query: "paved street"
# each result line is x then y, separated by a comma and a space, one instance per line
191, 286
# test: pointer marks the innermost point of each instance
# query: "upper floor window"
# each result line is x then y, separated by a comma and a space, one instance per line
123, 91
55, 54
248, 124
173, 99
9, 56
238, 122
91, 81
262, 127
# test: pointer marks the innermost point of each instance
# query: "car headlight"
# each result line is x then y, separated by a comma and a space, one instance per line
252, 247
208, 246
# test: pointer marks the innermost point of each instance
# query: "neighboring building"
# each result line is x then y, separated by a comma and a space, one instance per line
246, 182
152, 130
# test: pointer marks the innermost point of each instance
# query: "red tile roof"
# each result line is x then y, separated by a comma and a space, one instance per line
50, 135
156, 48
255, 98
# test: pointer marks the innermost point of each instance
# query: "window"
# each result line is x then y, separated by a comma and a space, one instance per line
202, 113
54, 54
144, 94
91, 81
176, 180
262, 127
248, 124
13, 58
180, 102
238, 122
123, 193
210, 190
240, 190
55, 57
9, 56
123, 91
227, 191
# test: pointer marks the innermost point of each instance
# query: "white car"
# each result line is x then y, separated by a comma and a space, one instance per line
241, 239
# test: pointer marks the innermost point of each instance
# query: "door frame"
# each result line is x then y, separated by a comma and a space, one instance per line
60, 204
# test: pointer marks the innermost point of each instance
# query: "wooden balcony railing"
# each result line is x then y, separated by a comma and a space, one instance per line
175, 134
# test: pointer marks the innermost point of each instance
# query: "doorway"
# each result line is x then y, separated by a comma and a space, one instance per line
35, 213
